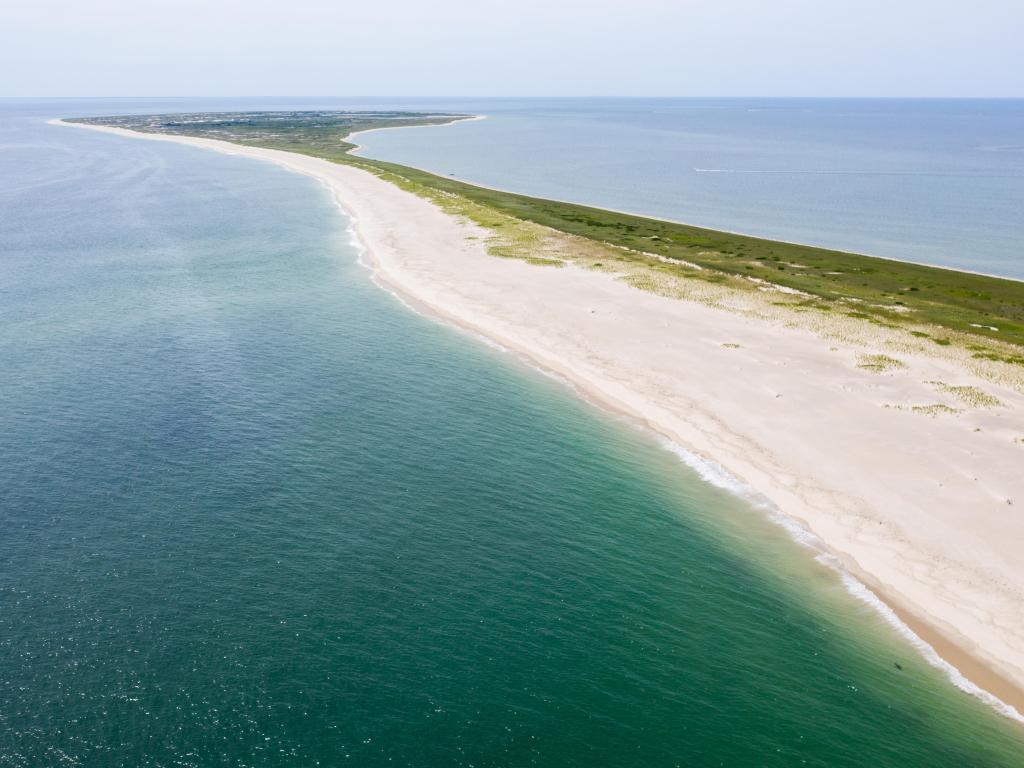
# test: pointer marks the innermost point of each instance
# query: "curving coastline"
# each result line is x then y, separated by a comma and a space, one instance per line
621, 348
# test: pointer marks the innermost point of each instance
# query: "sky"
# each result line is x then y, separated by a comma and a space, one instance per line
521, 48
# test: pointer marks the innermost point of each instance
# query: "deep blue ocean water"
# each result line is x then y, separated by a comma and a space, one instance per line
938, 181
256, 512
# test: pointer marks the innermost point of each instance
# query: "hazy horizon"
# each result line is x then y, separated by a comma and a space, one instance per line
651, 48
479, 97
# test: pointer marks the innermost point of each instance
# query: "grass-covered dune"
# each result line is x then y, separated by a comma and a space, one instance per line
881, 290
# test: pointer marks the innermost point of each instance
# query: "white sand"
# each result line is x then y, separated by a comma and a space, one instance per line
926, 510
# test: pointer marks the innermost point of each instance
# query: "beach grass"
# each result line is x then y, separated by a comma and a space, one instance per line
968, 395
879, 363
952, 305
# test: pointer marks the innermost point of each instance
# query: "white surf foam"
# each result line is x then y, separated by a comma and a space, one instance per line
863, 593
719, 477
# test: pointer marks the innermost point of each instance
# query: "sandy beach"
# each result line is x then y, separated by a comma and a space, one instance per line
908, 477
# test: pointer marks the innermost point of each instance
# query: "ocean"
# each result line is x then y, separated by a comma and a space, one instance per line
258, 512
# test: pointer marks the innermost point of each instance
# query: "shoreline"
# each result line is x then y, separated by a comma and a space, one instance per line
963, 670
358, 148
439, 300
454, 119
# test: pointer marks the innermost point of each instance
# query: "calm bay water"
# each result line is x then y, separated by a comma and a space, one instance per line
255, 512
933, 181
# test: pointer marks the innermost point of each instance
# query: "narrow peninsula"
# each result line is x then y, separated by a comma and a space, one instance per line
878, 403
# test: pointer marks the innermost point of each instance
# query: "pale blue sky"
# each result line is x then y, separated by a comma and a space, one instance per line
527, 47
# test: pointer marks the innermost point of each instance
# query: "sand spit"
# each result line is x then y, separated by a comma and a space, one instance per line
904, 464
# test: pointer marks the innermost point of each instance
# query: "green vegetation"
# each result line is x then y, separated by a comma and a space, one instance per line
969, 395
879, 363
312, 133
938, 409
882, 291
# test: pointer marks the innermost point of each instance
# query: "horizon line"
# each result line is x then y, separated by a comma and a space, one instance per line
526, 96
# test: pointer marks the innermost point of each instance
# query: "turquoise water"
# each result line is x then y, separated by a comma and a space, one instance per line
933, 181
256, 512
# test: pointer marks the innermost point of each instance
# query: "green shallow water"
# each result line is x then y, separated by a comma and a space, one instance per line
258, 513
